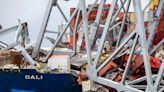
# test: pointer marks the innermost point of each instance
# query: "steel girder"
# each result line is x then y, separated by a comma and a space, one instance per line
140, 37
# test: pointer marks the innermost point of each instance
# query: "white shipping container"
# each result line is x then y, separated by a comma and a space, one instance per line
59, 62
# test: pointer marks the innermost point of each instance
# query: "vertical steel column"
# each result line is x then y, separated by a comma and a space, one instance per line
123, 23
140, 29
74, 32
43, 28
85, 23
108, 21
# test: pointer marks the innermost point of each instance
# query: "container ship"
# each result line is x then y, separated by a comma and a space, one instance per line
101, 48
